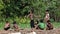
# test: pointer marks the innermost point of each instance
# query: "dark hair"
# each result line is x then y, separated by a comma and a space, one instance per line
48, 21
47, 10
6, 21
28, 12
32, 10
14, 22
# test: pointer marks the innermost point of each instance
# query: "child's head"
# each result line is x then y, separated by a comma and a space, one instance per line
48, 21
31, 11
7, 22
36, 22
14, 22
47, 11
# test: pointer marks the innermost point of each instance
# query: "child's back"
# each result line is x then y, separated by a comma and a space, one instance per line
41, 25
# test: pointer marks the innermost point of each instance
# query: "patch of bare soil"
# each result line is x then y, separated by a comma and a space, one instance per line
55, 31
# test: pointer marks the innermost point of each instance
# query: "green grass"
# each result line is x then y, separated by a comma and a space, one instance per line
55, 24
24, 26
1, 26
20, 25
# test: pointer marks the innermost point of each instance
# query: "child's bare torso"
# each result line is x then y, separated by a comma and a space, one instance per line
47, 16
31, 16
7, 25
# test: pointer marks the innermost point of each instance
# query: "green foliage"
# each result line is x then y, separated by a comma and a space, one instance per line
15, 10
18, 8
52, 20
23, 20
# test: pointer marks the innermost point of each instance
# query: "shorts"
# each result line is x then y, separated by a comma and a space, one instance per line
32, 23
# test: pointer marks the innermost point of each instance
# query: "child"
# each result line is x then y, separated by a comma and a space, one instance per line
47, 17
31, 18
49, 25
7, 26
15, 26
41, 25
36, 24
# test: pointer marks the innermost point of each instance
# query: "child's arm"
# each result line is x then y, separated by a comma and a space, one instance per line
37, 16
28, 15
16, 26
36, 26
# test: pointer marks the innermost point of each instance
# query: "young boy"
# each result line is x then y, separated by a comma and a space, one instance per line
41, 25
49, 25
7, 26
31, 18
47, 17
15, 26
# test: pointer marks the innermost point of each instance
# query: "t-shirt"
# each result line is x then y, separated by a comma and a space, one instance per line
41, 25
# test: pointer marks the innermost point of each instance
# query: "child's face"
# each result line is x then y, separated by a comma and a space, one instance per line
46, 12
7, 22
30, 12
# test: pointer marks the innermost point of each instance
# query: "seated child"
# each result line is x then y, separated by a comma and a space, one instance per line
41, 25
7, 26
36, 25
49, 25
15, 26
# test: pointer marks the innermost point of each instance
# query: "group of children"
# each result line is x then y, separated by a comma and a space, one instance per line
8, 26
38, 25
41, 25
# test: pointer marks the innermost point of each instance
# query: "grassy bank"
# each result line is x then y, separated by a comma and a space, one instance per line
27, 25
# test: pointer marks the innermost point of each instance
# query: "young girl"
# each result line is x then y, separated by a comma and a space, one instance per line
7, 26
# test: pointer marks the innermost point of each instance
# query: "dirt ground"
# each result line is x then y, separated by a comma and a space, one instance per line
55, 31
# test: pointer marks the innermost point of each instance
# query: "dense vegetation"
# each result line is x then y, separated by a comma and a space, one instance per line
14, 9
